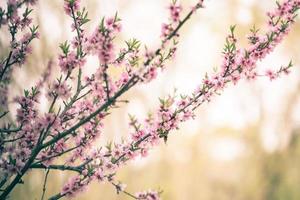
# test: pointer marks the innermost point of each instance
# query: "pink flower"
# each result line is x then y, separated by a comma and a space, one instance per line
69, 62
61, 89
99, 175
272, 75
138, 135
144, 152
235, 77
175, 11
151, 74
73, 186
101, 41
113, 25
218, 82
71, 4
148, 195
166, 30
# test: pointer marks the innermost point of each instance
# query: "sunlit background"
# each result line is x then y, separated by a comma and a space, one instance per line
243, 145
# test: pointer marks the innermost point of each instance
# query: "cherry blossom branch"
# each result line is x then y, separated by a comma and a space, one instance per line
42, 137
56, 167
18, 177
165, 132
88, 118
134, 80
240, 65
15, 23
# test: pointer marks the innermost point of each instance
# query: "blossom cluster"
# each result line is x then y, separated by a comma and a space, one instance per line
79, 103
148, 195
18, 22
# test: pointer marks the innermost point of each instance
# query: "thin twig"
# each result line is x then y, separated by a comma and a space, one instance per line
3, 114
123, 191
45, 183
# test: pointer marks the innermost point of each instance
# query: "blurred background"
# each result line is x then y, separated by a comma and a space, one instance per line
245, 144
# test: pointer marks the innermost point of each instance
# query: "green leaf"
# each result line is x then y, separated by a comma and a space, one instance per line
232, 28
102, 25
65, 47
26, 93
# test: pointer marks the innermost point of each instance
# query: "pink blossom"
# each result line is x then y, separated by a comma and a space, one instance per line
71, 4
175, 11
148, 195
69, 62
272, 75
